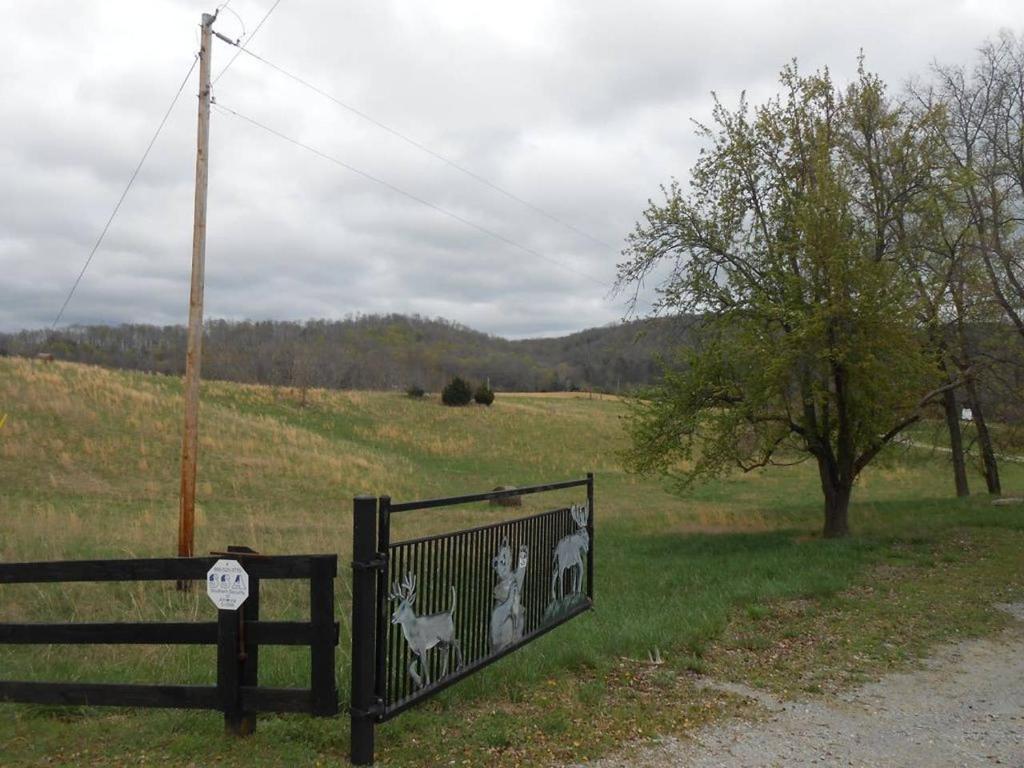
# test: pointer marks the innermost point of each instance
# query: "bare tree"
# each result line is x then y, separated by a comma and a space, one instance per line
983, 141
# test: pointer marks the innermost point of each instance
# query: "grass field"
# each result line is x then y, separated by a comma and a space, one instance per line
730, 578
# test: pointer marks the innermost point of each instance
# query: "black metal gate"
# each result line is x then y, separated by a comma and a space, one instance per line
427, 612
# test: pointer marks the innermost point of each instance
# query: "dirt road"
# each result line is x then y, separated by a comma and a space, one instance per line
965, 707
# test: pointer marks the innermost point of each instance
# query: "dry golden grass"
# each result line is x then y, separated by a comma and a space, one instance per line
89, 460
89, 465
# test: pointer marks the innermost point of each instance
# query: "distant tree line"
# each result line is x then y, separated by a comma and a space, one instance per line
373, 352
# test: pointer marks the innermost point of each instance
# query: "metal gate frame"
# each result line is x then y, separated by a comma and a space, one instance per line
374, 554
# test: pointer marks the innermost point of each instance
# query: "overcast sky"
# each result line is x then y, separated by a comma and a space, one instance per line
581, 108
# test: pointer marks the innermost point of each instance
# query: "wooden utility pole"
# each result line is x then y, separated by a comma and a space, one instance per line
193, 357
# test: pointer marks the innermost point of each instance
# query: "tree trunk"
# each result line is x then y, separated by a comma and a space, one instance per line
837, 501
956, 442
990, 468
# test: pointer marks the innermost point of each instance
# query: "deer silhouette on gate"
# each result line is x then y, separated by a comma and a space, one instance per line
423, 633
569, 554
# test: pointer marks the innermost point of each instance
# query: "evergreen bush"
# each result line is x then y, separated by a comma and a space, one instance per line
457, 392
484, 395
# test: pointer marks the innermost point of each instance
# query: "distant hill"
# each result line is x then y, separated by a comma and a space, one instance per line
374, 352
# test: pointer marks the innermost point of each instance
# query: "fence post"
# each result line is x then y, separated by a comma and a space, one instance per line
249, 658
229, 670
323, 686
590, 533
364, 582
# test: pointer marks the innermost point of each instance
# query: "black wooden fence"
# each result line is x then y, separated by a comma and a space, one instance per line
427, 612
237, 634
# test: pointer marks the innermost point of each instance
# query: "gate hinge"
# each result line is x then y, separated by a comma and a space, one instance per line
379, 563
375, 710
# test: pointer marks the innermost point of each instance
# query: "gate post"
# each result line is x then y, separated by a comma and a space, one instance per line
249, 651
238, 657
323, 689
364, 587
229, 671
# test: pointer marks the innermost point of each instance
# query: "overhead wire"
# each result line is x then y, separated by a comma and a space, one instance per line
413, 142
444, 211
398, 190
124, 193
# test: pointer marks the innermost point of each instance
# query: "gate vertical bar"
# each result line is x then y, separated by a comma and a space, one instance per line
383, 549
364, 603
398, 565
590, 533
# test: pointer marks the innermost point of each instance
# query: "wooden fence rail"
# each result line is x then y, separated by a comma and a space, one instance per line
238, 635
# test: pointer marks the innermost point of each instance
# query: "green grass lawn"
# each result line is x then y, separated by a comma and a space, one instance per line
729, 578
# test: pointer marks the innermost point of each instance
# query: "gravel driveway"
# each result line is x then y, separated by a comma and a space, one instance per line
965, 707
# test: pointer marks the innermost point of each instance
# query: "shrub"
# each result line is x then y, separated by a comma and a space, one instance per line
415, 391
484, 395
457, 392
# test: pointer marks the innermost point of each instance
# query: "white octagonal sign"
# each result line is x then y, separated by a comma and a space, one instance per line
227, 584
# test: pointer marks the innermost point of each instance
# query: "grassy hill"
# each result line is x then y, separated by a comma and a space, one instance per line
88, 468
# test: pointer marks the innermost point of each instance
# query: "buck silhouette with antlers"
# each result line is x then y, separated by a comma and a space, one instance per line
569, 552
422, 633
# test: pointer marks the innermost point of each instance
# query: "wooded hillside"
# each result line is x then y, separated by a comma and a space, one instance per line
373, 352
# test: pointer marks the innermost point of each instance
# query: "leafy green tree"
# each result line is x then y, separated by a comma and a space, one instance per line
787, 248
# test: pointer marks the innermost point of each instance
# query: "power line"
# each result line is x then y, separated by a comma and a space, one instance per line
124, 194
240, 46
418, 145
409, 195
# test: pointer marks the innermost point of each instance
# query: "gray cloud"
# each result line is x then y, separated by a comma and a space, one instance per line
582, 108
